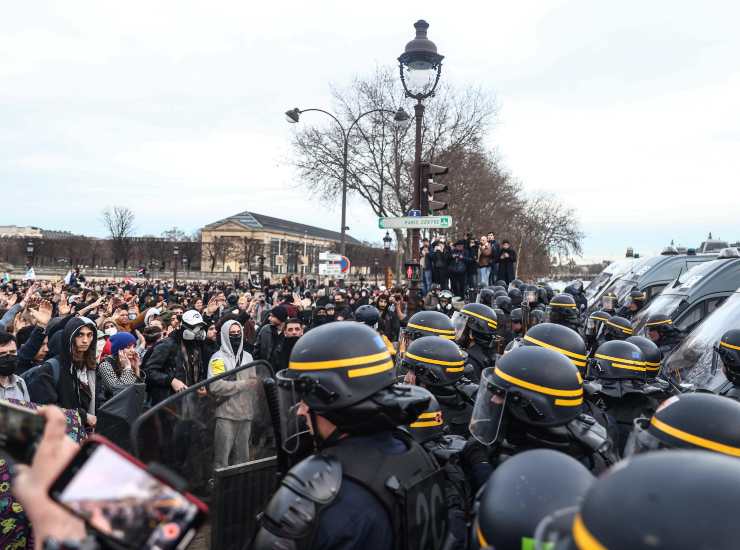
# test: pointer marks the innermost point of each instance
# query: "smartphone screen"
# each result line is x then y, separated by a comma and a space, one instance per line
121, 500
20, 431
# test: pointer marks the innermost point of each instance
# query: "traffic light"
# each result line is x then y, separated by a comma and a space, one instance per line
429, 188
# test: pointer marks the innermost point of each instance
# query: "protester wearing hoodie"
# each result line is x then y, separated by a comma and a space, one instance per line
178, 361
73, 386
121, 367
235, 397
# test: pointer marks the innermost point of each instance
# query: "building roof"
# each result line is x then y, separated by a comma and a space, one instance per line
254, 221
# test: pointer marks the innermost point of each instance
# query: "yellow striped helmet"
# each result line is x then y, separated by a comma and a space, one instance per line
538, 386
619, 360
435, 361
338, 365
561, 339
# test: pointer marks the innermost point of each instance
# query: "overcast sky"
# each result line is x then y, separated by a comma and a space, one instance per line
628, 111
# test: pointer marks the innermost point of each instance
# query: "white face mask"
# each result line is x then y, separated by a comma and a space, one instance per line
110, 331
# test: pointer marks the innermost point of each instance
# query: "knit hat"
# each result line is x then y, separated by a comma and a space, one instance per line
120, 341
280, 312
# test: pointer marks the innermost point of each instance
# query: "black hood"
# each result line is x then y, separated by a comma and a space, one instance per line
70, 331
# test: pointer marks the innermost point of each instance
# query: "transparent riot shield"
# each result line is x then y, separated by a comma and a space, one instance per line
214, 431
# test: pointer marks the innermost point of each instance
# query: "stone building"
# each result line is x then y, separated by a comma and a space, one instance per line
234, 244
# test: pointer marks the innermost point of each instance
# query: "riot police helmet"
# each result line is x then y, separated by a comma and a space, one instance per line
344, 372
595, 321
536, 316
486, 296
522, 491
637, 297
609, 301
516, 283
561, 339
498, 293
368, 315
617, 328
429, 323
537, 386
516, 315
651, 355
698, 420
504, 303
618, 360
479, 320
430, 423
562, 310
660, 323
434, 361
728, 350
515, 296
496, 288
680, 499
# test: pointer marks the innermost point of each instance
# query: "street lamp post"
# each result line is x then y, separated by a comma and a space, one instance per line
420, 66
293, 116
375, 266
387, 240
176, 252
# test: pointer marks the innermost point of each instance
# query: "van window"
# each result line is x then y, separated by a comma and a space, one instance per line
692, 318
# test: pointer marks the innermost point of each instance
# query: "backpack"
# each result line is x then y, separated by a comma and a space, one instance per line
33, 375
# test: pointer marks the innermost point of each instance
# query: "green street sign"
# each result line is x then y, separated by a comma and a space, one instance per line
420, 222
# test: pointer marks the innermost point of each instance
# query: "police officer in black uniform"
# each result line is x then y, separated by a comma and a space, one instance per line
356, 491
521, 492
593, 329
517, 324
659, 328
616, 328
476, 328
689, 421
431, 431
619, 369
728, 350
562, 310
651, 355
575, 289
486, 296
634, 304
439, 366
533, 398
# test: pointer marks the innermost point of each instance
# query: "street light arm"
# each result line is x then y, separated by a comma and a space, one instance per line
344, 132
367, 113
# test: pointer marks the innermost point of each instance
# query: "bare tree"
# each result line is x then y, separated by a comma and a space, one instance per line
119, 221
381, 152
217, 250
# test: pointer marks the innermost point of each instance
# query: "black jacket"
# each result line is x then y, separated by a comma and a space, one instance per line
268, 340
67, 392
171, 358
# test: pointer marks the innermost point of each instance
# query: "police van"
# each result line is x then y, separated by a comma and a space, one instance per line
695, 360
653, 275
606, 279
696, 293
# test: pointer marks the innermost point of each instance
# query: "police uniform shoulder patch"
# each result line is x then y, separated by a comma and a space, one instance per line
218, 367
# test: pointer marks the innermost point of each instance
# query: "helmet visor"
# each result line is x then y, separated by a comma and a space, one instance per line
530, 297
459, 322
641, 441
554, 530
488, 412
608, 302
292, 425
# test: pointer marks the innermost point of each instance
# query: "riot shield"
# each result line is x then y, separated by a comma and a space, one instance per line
220, 422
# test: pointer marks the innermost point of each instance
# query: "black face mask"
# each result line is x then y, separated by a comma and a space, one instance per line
235, 341
8, 365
